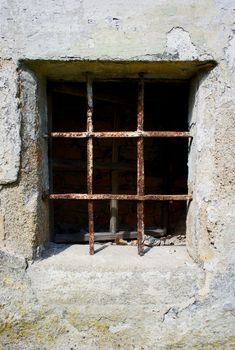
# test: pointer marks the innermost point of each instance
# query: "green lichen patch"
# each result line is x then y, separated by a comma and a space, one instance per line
42, 330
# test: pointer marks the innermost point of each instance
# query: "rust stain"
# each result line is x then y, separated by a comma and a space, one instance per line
121, 134
122, 197
140, 167
90, 164
140, 228
140, 134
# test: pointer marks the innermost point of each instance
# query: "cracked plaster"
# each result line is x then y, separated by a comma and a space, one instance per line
194, 298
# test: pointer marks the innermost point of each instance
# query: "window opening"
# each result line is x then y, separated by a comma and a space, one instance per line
118, 153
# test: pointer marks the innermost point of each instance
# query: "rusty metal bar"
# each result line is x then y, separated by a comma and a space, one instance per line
140, 192
122, 197
113, 134
140, 106
91, 227
90, 163
140, 166
140, 197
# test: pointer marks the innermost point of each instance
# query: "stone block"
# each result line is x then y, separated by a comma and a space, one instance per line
10, 123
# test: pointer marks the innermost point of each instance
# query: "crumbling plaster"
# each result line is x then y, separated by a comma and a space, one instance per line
86, 30
59, 31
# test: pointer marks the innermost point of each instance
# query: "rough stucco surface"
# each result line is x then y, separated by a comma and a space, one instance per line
114, 300
70, 300
9, 124
20, 203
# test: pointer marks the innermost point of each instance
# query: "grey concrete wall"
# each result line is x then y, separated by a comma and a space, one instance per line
134, 31
119, 31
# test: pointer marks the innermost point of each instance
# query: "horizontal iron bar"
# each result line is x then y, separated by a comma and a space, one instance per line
123, 197
112, 134
78, 237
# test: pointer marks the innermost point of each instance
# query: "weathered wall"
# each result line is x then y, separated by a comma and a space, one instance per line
86, 30
211, 168
134, 31
23, 211
10, 123
114, 30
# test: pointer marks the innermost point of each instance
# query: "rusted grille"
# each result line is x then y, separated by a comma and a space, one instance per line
140, 197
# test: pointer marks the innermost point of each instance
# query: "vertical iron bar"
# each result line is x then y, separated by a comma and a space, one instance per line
114, 202
90, 163
140, 167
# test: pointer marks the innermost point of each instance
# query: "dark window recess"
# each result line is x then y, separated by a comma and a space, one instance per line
118, 160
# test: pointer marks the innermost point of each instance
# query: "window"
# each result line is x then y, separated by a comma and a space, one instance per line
118, 151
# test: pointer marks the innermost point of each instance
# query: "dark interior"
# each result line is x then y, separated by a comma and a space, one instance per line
115, 109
